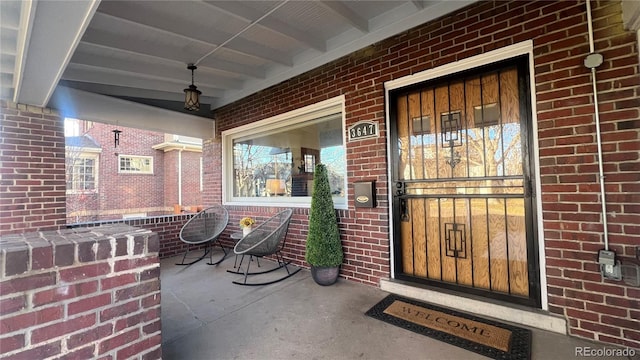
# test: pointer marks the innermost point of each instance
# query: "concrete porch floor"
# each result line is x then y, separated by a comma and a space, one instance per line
205, 316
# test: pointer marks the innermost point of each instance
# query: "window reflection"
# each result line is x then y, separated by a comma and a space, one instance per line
280, 163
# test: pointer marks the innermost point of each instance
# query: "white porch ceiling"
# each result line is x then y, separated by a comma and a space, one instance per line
139, 50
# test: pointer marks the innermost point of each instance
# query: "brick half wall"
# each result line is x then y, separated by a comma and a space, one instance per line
167, 228
80, 293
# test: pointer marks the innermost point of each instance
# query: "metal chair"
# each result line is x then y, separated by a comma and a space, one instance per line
266, 239
204, 228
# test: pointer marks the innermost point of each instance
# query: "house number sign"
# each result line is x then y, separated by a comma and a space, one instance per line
363, 130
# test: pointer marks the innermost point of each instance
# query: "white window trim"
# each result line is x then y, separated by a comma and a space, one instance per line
90, 154
311, 112
120, 156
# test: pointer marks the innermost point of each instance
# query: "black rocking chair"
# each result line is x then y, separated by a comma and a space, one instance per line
266, 239
204, 228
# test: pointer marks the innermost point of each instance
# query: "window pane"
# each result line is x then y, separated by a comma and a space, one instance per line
81, 175
280, 163
137, 164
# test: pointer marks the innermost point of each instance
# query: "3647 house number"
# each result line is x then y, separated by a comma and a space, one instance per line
363, 130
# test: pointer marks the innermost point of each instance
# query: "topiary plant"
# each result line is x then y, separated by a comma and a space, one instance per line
324, 248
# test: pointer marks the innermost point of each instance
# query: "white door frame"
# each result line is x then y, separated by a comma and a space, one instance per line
522, 48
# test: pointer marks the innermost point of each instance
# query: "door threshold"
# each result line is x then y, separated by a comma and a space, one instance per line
516, 314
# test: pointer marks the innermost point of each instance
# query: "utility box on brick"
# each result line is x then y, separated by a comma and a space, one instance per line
364, 193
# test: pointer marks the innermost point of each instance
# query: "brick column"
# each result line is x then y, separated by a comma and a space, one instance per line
32, 169
212, 155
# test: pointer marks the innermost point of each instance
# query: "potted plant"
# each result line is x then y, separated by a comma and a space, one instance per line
246, 224
323, 247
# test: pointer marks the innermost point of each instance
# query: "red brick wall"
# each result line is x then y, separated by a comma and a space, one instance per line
171, 178
189, 174
596, 309
212, 172
82, 207
122, 193
191, 194
166, 227
32, 183
97, 296
129, 191
168, 230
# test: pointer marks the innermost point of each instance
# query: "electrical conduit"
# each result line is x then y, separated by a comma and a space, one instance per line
592, 61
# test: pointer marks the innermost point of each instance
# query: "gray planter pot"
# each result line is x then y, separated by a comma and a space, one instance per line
325, 275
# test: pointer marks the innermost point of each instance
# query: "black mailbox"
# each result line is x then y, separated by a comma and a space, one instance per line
364, 193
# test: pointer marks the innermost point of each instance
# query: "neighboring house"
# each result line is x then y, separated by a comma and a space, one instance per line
143, 173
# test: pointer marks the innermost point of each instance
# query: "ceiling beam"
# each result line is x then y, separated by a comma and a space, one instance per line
56, 30
108, 110
122, 91
169, 73
103, 40
27, 14
10, 13
347, 14
249, 15
631, 15
405, 18
213, 38
90, 74
16, 20
6, 66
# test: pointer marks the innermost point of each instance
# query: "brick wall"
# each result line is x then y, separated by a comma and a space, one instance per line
168, 230
171, 177
82, 207
189, 175
32, 172
80, 294
191, 193
166, 227
596, 309
124, 191
571, 202
212, 171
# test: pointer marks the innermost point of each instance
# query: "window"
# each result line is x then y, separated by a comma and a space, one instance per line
421, 125
135, 164
272, 161
486, 115
82, 173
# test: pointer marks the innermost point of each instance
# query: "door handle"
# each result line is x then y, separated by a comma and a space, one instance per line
404, 210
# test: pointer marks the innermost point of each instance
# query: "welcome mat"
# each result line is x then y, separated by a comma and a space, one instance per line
486, 337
